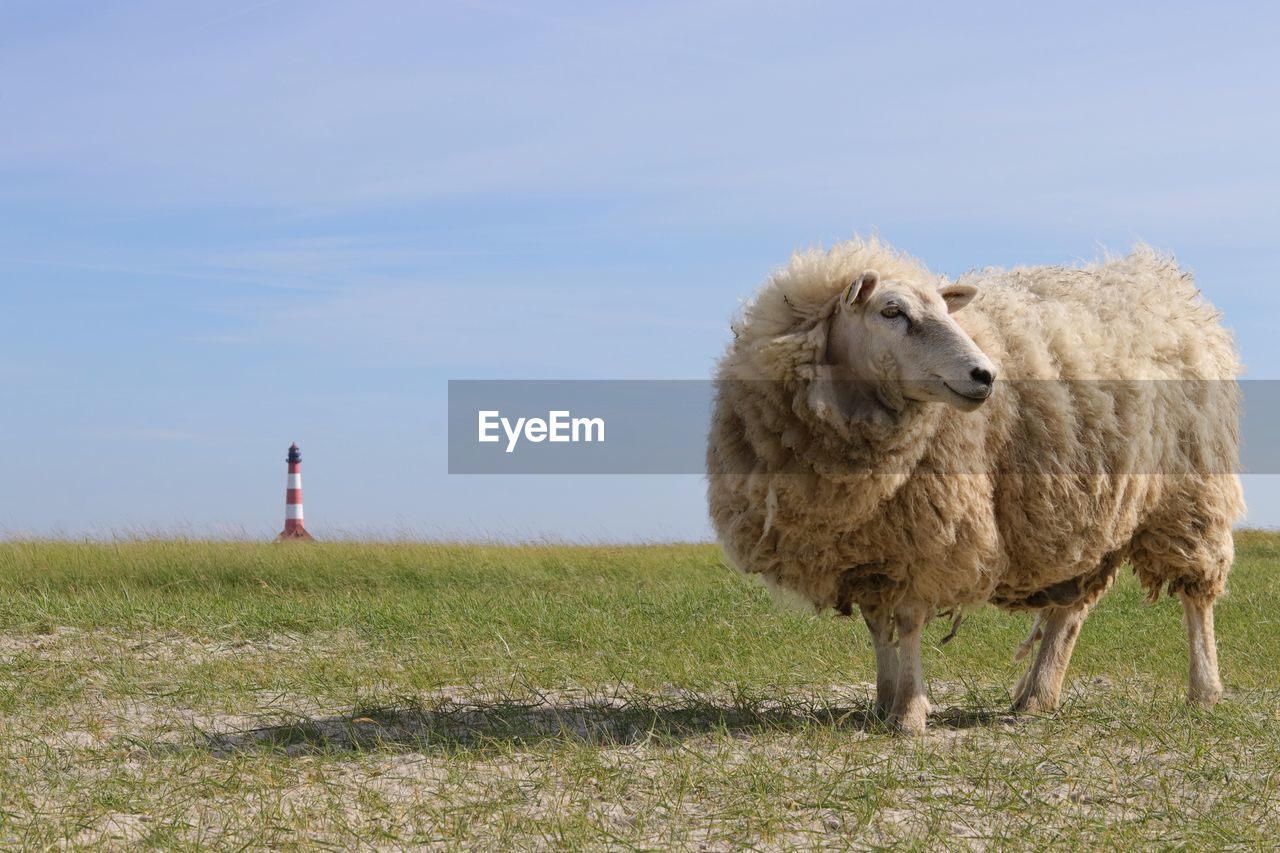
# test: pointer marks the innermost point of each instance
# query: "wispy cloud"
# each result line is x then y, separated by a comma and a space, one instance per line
228, 274
158, 433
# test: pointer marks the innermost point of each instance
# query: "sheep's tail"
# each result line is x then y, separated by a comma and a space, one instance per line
1030, 642
956, 614
955, 628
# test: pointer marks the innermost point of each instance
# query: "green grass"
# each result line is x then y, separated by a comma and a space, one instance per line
223, 694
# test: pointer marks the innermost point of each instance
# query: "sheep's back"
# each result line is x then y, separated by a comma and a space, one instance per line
1137, 317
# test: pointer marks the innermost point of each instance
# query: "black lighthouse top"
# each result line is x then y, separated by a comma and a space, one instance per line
295, 455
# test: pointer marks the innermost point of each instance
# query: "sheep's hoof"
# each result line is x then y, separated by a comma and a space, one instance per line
913, 725
1031, 696
1033, 704
1204, 697
912, 721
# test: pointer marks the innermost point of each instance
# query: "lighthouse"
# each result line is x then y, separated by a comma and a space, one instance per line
293, 529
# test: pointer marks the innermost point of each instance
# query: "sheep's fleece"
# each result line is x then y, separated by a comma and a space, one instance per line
1032, 501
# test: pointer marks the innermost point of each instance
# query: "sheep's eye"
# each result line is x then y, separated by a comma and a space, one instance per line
891, 312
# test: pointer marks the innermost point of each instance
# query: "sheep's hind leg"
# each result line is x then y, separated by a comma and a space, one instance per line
910, 701
1040, 689
881, 628
1204, 687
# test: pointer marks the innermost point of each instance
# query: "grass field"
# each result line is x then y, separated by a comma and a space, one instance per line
185, 694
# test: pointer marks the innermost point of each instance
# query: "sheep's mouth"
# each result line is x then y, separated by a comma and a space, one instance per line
979, 397
967, 402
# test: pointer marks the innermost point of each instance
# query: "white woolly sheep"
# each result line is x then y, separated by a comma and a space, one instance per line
862, 453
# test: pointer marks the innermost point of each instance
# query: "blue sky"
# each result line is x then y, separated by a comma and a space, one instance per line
227, 226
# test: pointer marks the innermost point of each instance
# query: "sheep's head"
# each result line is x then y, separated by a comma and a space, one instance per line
900, 336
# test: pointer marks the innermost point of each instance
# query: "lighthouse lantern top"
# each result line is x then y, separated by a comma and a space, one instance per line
295, 455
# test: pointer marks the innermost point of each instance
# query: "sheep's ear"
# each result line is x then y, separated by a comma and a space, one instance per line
957, 295
860, 289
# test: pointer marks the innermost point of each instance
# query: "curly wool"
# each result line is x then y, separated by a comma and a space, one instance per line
1035, 499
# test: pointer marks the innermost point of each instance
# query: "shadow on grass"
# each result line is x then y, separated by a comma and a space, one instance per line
448, 726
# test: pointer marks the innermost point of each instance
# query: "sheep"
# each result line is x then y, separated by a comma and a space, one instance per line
862, 452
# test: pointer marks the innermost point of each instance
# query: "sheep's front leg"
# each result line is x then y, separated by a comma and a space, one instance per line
910, 702
881, 627
1040, 688
1204, 687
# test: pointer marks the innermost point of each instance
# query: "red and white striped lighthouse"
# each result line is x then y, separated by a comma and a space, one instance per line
293, 529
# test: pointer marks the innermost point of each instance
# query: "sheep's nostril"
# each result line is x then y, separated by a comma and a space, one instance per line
983, 376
